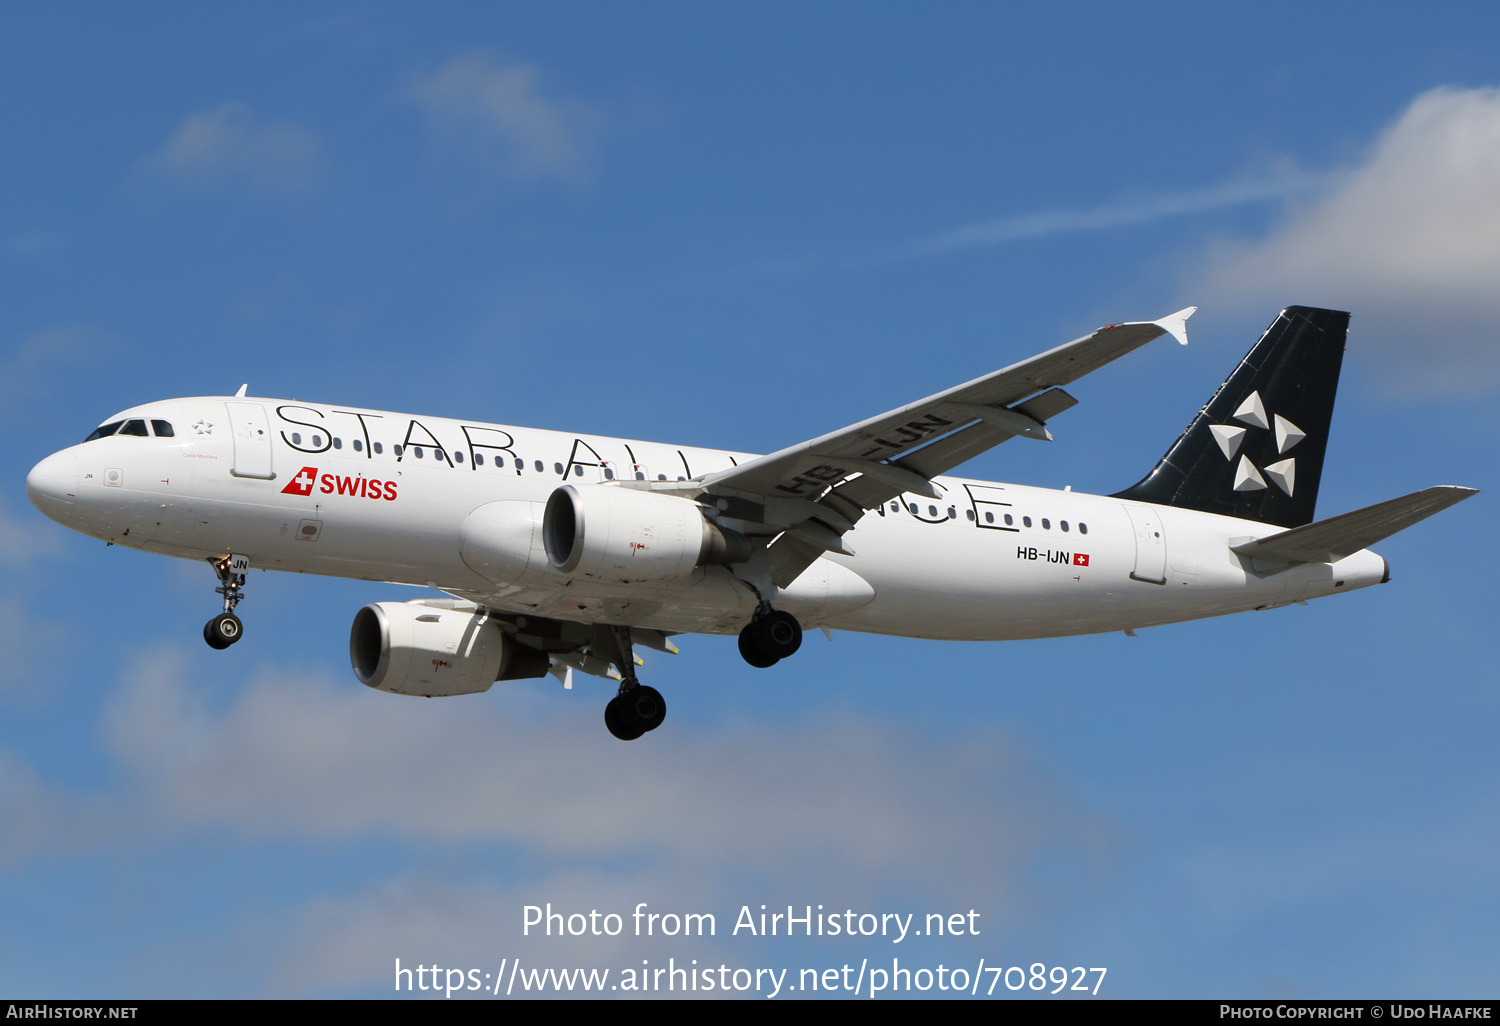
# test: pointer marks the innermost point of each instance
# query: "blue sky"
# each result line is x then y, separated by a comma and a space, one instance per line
742, 225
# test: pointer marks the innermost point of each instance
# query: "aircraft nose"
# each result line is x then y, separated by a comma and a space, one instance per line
52, 485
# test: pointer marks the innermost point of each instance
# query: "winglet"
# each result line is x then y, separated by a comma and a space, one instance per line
241, 393
1176, 324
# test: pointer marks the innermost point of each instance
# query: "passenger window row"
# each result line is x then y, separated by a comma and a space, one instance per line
989, 517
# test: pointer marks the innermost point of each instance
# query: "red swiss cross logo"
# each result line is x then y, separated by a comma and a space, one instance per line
1080, 559
303, 483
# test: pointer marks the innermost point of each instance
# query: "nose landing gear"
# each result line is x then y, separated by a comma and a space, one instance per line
770, 637
225, 629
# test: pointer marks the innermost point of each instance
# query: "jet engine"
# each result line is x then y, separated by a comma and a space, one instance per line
626, 534
415, 648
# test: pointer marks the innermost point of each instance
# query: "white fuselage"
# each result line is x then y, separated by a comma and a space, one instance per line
392, 497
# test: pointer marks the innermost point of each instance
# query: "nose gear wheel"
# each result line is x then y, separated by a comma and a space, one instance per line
225, 629
222, 631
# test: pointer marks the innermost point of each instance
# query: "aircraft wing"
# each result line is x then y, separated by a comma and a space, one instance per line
816, 490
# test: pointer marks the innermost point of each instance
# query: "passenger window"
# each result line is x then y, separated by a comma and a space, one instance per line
538, 465
1063, 524
317, 440
162, 429
378, 448
479, 459
989, 518
1009, 520
105, 430
557, 468
1046, 524
458, 457
912, 509
417, 452
609, 475
661, 477
296, 438
1083, 528
895, 508
952, 513
134, 427
338, 443
358, 445
396, 449
970, 514
932, 511
577, 471
640, 476
1026, 521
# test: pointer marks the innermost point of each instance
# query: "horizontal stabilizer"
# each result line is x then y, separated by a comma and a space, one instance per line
1330, 540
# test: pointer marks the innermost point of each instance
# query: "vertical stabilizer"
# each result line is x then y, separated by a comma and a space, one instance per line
1255, 451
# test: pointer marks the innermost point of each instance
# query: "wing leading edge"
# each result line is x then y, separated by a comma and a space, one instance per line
813, 492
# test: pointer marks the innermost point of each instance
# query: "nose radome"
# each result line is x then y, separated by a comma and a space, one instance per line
52, 485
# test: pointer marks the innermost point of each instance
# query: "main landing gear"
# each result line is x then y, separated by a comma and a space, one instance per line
225, 629
637, 707
770, 637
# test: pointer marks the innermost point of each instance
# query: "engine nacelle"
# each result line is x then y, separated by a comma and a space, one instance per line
411, 648
627, 534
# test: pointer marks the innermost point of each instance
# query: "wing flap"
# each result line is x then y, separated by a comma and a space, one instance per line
1328, 541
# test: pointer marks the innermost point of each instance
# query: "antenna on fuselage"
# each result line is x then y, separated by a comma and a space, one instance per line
241, 393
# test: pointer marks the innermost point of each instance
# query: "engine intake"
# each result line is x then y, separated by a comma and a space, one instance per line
412, 648
626, 534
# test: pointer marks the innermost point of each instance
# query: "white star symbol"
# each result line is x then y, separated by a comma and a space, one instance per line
1253, 413
203, 427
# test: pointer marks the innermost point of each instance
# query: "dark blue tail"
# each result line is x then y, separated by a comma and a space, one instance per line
1256, 450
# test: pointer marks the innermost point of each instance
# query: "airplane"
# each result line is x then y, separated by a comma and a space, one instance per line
562, 553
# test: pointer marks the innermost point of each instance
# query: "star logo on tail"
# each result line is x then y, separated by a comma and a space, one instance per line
1252, 414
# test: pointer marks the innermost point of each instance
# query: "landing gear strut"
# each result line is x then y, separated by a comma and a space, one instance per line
770, 637
637, 707
225, 629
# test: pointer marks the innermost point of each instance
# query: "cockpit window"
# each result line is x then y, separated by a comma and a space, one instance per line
104, 431
135, 427
162, 429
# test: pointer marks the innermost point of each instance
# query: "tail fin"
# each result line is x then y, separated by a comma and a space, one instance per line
1255, 451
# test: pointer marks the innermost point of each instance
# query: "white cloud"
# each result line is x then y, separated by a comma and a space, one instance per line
38, 816
845, 810
229, 144
1137, 210
499, 112
1408, 239
304, 757
475, 921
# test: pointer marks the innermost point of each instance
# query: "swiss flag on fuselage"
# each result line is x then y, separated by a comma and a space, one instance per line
303, 483
1080, 559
